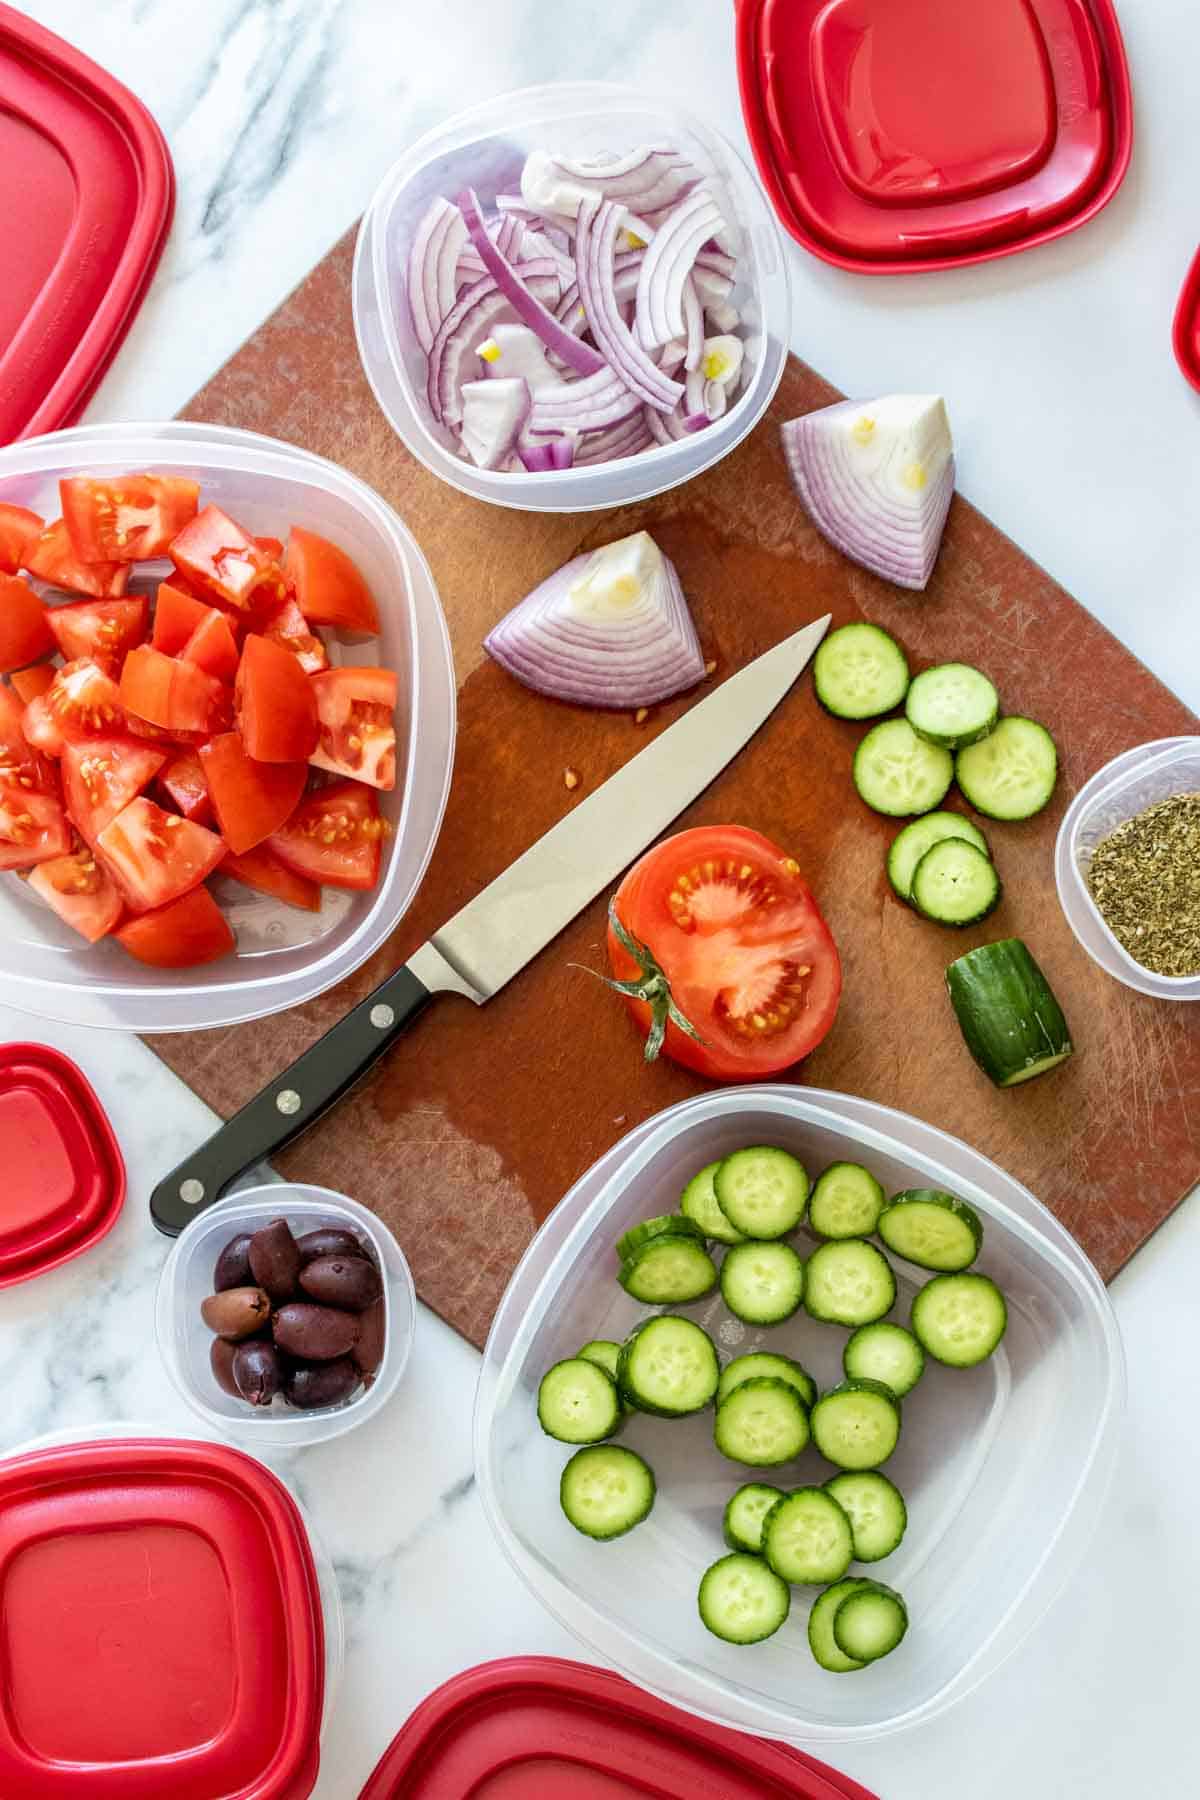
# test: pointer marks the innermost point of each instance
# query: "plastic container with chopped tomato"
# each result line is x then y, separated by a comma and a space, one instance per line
347, 554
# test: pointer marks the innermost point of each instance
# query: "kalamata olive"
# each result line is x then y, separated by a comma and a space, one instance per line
327, 1240
256, 1372
236, 1313
314, 1333
368, 1351
221, 1357
233, 1265
321, 1384
275, 1259
348, 1281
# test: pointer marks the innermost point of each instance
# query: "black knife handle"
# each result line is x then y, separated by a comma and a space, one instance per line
292, 1102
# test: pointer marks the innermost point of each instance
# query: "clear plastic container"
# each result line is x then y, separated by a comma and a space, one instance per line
284, 956
1121, 789
186, 1342
1004, 1467
485, 148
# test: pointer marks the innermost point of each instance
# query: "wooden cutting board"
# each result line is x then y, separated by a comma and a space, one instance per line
475, 1126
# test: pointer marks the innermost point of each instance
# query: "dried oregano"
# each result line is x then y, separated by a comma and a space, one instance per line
1145, 878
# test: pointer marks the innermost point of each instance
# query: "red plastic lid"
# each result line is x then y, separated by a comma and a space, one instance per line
1186, 335
64, 1179
86, 195
161, 1626
537, 1728
904, 135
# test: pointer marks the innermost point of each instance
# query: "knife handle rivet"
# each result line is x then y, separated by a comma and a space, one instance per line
191, 1191
288, 1101
382, 1017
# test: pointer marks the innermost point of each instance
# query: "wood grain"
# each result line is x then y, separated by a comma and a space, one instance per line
476, 1125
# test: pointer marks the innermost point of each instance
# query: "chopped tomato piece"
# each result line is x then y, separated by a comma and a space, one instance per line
213, 647
39, 726
155, 856
27, 684
104, 630
52, 557
24, 633
328, 587
33, 828
251, 799
100, 778
272, 547
334, 837
182, 780
20, 762
356, 713
83, 701
263, 871
176, 616
276, 707
169, 740
18, 529
226, 562
128, 518
173, 694
82, 893
287, 626
190, 930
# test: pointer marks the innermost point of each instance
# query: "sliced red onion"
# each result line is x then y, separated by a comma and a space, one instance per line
713, 289
644, 180
611, 628
877, 478
586, 405
577, 355
723, 319
515, 350
667, 265
508, 235
470, 266
548, 453
570, 311
493, 414
703, 396
672, 355
665, 428
595, 250
432, 263
693, 321
627, 438
513, 203
717, 262
477, 311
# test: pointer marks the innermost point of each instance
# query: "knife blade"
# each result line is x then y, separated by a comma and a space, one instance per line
494, 935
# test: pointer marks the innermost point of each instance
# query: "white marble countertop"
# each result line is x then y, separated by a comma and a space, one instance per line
1074, 431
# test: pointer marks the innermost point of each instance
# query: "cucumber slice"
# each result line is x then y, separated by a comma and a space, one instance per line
932, 1229
669, 1225
876, 1511
766, 1362
887, 1353
846, 1202
959, 1319
955, 884
742, 1601
669, 1271
578, 1402
698, 1202
870, 1622
807, 1537
860, 672
762, 1191
745, 1513
898, 773
762, 1283
952, 705
763, 1422
820, 1627
910, 844
668, 1366
848, 1283
856, 1425
1006, 1010
606, 1354
1011, 773
606, 1490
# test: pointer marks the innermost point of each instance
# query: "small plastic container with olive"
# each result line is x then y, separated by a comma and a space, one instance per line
285, 1315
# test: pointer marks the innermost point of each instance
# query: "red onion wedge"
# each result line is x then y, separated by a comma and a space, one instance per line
528, 308
478, 310
595, 251
610, 628
877, 477
667, 265
432, 266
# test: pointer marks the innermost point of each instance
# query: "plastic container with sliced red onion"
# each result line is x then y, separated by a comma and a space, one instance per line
570, 298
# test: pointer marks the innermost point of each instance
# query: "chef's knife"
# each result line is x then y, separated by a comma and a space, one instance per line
501, 929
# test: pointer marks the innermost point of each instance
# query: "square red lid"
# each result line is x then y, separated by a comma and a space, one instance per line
160, 1627
904, 135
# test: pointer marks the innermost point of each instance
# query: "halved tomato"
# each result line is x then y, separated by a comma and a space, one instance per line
176, 616
27, 684
154, 856
100, 778
223, 560
262, 871
18, 529
128, 518
213, 647
104, 630
724, 930
173, 694
82, 893
286, 625
334, 836
276, 706
187, 931
251, 799
53, 558
356, 711
83, 701
182, 780
328, 586
24, 633
33, 828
